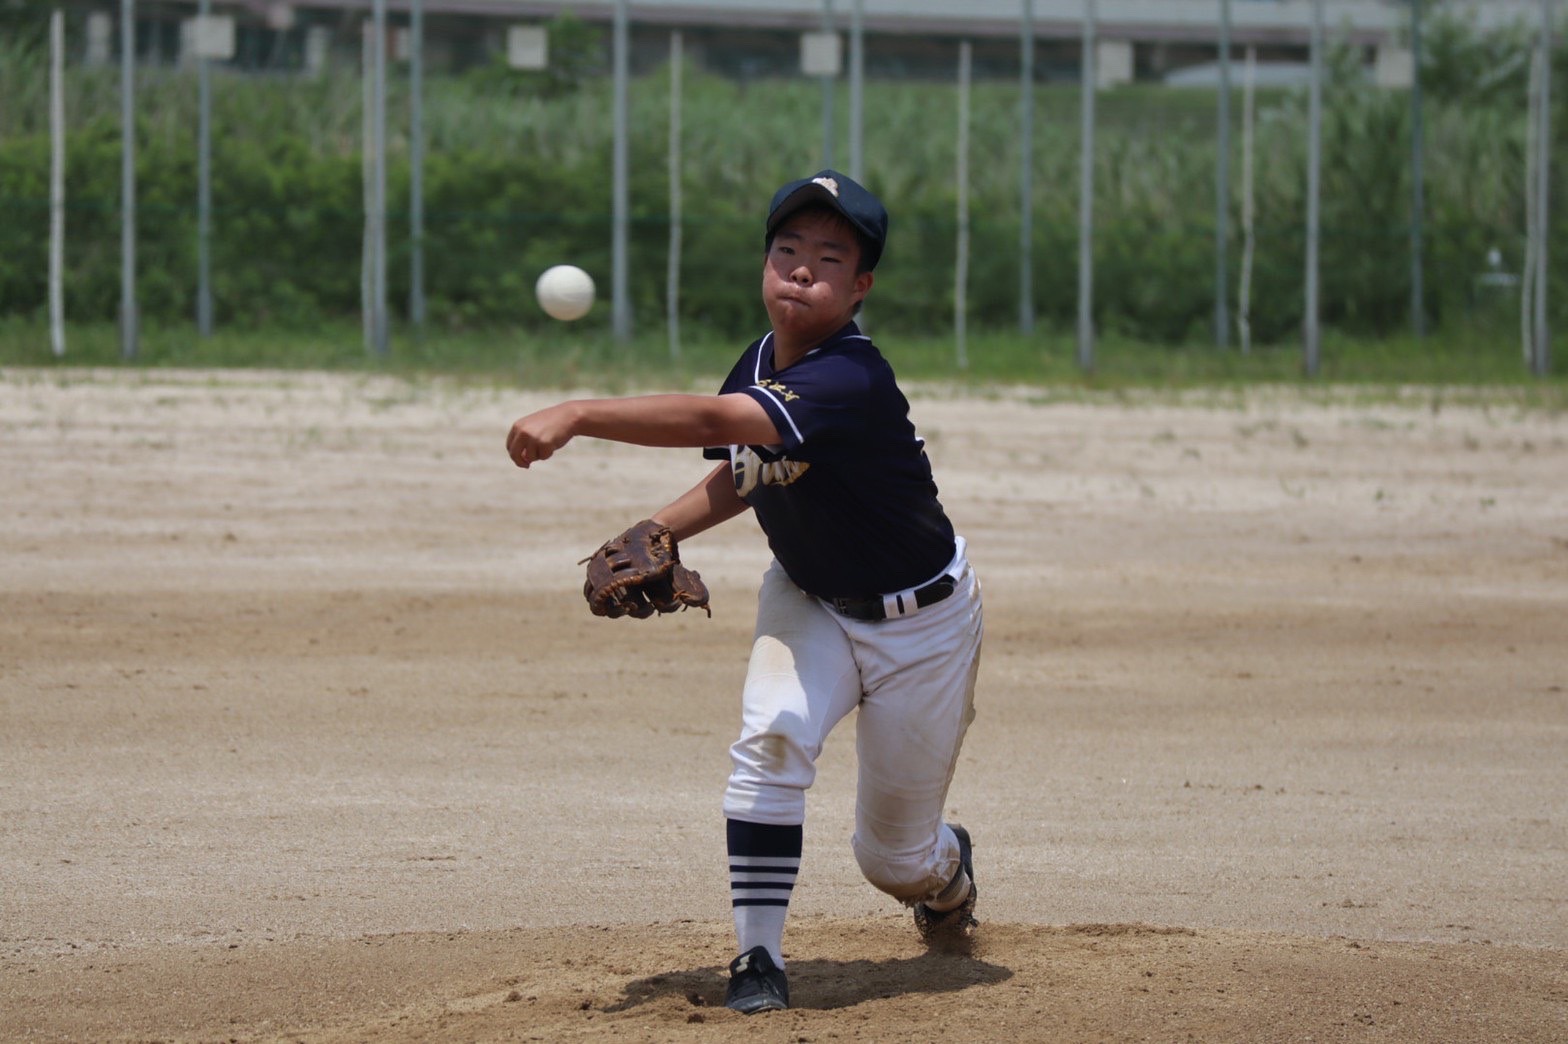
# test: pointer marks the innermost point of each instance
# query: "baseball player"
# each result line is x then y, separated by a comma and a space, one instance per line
869, 603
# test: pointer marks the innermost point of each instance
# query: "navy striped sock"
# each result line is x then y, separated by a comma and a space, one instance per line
764, 860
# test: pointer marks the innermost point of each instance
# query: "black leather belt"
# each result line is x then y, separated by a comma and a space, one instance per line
874, 609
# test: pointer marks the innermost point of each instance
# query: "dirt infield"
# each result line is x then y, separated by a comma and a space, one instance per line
306, 734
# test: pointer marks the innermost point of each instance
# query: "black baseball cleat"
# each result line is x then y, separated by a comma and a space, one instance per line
945, 926
756, 983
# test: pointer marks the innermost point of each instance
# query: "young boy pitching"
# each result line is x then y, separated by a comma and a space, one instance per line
869, 602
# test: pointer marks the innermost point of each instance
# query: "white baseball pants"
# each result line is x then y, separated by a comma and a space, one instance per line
912, 679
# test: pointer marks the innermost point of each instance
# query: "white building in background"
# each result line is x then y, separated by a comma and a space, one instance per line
1157, 40
1142, 19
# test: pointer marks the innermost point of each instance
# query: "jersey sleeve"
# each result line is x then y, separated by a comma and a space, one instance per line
778, 411
737, 380
814, 404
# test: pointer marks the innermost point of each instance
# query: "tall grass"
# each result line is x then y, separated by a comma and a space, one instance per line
513, 184
1454, 364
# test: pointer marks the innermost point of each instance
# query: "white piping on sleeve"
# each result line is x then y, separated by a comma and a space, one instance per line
756, 363
756, 378
782, 409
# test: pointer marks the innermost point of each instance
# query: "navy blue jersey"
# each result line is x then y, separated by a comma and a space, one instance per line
846, 499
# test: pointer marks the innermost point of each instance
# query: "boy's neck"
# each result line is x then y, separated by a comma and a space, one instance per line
788, 352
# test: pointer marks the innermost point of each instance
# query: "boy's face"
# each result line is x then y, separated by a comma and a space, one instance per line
810, 282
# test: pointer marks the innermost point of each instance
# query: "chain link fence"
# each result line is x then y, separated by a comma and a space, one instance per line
1423, 208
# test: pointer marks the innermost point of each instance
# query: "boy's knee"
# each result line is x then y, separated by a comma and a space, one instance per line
908, 877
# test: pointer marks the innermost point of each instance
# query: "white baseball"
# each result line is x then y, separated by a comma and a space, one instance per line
565, 292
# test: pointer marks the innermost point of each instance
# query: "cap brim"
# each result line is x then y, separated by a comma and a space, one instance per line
808, 193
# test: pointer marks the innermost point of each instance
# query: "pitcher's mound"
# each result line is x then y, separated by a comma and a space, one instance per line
850, 980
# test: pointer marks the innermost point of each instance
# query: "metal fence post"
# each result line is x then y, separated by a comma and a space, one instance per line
672, 283
1314, 187
620, 293
367, 105
1249, 237
829, 133
1086, 194
416, 165
857, 87
961, 274
1417, 180
57, 182
1026, 171
1222, 189
378, 180
1541, 357
128, 316
204, 183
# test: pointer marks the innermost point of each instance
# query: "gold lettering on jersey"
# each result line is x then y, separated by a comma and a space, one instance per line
750, 470
775, 386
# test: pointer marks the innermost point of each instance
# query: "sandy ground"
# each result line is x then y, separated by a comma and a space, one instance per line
305, 732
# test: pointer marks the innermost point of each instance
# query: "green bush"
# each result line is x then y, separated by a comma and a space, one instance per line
518, 178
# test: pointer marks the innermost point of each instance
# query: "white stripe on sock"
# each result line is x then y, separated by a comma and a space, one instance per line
778, 863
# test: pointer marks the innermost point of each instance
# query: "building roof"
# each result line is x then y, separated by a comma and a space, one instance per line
1256, 21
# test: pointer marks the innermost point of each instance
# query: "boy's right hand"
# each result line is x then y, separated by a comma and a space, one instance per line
537, 436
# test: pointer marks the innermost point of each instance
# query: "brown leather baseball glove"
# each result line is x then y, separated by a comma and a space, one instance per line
639, 573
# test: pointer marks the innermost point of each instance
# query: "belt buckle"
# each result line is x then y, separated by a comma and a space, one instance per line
857, 609
938, 590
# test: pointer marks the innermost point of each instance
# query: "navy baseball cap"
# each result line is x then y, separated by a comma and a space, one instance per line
858, 206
